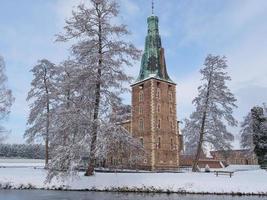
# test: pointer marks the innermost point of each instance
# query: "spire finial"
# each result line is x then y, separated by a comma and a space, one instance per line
153, 7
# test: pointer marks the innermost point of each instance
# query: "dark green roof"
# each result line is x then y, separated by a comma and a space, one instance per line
153, 60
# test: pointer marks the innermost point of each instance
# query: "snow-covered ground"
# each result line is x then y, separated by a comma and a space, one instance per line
246, 182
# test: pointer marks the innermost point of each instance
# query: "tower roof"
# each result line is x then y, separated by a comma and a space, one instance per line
153, 61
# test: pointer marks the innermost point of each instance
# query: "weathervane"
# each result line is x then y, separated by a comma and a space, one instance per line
153, 7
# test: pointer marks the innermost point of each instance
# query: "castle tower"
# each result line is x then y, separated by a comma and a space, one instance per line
154, 119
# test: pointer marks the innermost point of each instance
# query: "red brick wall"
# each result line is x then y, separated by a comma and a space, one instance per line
159, 156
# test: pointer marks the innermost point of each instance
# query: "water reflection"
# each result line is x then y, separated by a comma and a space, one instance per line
59, 195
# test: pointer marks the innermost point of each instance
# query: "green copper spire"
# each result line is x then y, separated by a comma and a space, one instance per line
153, 60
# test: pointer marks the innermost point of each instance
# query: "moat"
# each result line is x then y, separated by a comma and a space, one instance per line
64, 195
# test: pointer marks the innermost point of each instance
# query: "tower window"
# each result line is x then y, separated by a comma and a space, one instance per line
171, 109
142, 141
158, 93
141, 124
171, 144
159, 124
158, 108
159, 143
141, 95
140, 110
170, 96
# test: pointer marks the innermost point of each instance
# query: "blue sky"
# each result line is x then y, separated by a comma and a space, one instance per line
190, 30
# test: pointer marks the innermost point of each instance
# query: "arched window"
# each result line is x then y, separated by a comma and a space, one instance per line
171, 144
141, 124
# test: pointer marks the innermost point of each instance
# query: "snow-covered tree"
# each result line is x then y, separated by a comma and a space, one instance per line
259, 125
214, 107
6, 99
116, 140
102, 52
72, 120
247, 133
72, 126
41, 96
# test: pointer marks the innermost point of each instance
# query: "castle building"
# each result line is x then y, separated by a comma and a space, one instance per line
235, 157
153, 112
154, 119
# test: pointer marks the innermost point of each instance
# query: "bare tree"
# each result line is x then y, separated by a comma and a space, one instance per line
42, 94
214, 106
102, 52
6, 98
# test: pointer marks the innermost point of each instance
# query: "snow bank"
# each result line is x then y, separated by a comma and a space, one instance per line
245, 182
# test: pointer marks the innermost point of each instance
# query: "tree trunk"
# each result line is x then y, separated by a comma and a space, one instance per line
92, 158
200, 142
91, 161
46, 152
202, 129
47, 122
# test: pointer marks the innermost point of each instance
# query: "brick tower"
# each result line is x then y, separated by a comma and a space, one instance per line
154, 119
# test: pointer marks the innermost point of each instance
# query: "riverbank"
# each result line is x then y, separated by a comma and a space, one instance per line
252, 182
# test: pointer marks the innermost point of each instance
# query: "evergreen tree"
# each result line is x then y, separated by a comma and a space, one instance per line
259, 125
247, 131
6, 99
214, 106
101, 53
